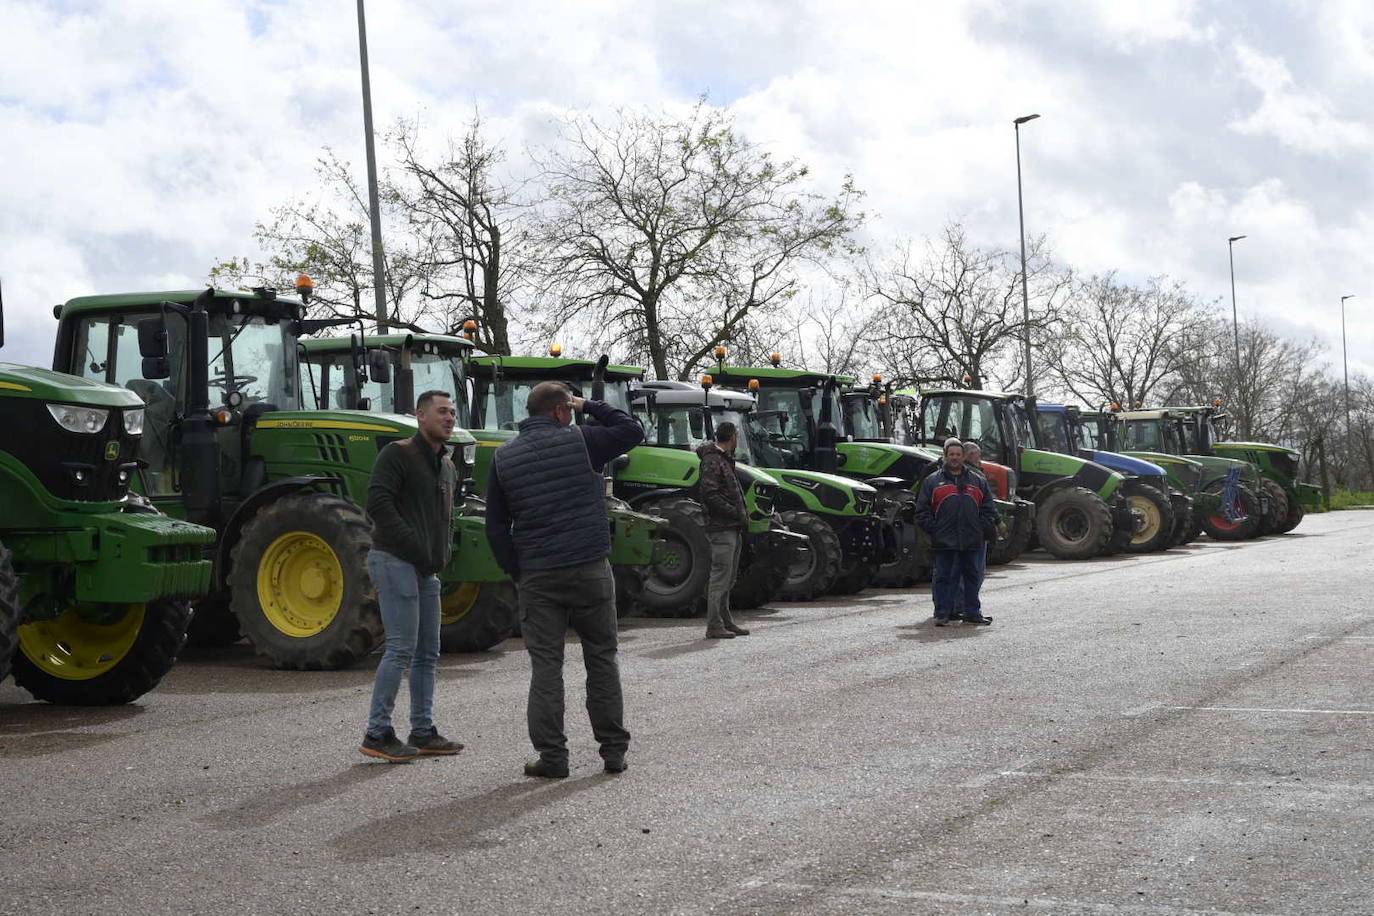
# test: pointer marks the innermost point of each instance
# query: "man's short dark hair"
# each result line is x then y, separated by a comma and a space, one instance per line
951, 442
427, 397
725, 431
546, 396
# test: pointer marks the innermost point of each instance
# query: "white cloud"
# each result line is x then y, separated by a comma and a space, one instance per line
1302, 120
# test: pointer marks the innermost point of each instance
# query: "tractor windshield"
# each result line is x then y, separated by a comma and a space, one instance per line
773, 442
500, 404
968, 417
1054, 432
743, 451
1087, 433
861, 421
676, 426
1150, 436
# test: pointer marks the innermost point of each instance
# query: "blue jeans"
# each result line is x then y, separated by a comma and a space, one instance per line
957, 595
410, 616
958, 576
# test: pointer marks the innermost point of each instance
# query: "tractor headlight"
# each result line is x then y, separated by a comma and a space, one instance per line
79, 419
133, 421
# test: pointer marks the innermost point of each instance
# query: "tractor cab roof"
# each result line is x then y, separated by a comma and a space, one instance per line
258, 302
676, 394
968, 392
433, 343
1146, 414
549, 367
777, 377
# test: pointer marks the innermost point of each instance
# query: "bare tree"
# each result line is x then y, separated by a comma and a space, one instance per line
674, 235
1121, 343
954, 310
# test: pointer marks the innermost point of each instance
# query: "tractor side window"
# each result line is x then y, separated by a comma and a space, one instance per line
92, 357
1143, 436
1052, 425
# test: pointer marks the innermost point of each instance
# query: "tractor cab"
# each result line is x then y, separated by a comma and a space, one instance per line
385, 373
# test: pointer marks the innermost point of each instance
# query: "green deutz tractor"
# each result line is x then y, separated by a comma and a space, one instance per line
385, 373
1094, 431
1279, 466
1235, 502
653, 478
1080, 508
871, 418
228, 445
94, 582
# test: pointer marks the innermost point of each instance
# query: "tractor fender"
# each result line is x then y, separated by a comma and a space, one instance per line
638, 499
897, 482
248, 508
1054, 486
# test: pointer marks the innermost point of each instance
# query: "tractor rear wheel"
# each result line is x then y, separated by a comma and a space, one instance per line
100, 655
1073, 523
474, 617
1152, 516
1017, 542
1220, 528
213, 624
1278, 507
1295, 516
300, 586
676, 586
9, 612
813, 570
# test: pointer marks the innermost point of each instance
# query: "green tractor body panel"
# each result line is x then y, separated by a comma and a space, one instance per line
32, 383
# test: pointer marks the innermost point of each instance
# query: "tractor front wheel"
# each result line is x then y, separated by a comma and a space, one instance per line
9, 612
759, 581
474, 616
1221, 528
1294, 517
677, 581
300, 585
100, 654
1278, 507
813, 571
1152, 518
1073, 523
900, 514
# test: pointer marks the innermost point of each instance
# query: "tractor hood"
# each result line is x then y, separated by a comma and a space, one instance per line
46, 385
1126, 464
355, 421
884, 459
1255, 447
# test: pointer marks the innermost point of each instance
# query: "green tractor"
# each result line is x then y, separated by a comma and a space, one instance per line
94, 582
1279, 466
654, 478
1236, 504
1080, 507
385, 373
228, 445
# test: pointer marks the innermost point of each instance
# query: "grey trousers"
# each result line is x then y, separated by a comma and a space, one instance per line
551, 600
725, 551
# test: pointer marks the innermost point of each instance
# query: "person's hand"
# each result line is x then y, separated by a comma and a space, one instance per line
578, 403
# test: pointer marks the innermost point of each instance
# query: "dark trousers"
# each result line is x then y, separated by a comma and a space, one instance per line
957, 586
958, 577
551, 600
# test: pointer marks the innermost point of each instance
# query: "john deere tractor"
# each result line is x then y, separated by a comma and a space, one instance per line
659, 479
1158, 509
94, 582
1234, 501
1279, 466
1080, 508
229, 445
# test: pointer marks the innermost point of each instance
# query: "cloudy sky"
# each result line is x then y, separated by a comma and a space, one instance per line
143, 138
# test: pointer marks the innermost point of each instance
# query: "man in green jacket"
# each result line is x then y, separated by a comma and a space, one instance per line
410, 500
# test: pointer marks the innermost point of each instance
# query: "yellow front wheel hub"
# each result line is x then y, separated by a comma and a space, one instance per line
1148, 519
300, 584
74, 648
455, 605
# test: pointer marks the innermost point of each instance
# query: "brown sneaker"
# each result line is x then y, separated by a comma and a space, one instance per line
737, 630
719, 633
433, 744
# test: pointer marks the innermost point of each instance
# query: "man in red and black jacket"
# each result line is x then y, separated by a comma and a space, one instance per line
955, 507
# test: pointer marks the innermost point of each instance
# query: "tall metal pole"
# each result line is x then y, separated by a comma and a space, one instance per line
1235, 324
374, 209
1345, 369
1025, 296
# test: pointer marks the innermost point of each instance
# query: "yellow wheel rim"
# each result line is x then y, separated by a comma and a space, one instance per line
455, 605
1148, 521
300, 584
75, 649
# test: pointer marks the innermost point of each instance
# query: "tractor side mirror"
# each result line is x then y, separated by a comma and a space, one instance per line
379, 367
152, 346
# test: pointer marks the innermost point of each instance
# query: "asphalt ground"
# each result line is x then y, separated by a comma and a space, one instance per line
1190, 732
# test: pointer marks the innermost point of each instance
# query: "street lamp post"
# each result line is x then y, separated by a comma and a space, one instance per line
1345, 367
378, 261
1021, 216
1235, 322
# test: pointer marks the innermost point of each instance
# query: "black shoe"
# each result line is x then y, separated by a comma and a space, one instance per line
388, 747
941, 620
737, 630
616, 764
719, 633
546, 769
979, 620
433, 744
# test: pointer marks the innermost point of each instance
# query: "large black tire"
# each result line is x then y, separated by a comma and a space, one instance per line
9, 612
1017, 542
759, 582
213, 624
676, 585
905, 568
1219, 529
1277, 512
1073, 523
855, 577
306, 554
1294, 517
629, 586
47, 647
1153, 518
1186, 529
814, 570
477, 622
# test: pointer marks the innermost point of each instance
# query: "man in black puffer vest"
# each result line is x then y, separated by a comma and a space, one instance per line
547, 523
